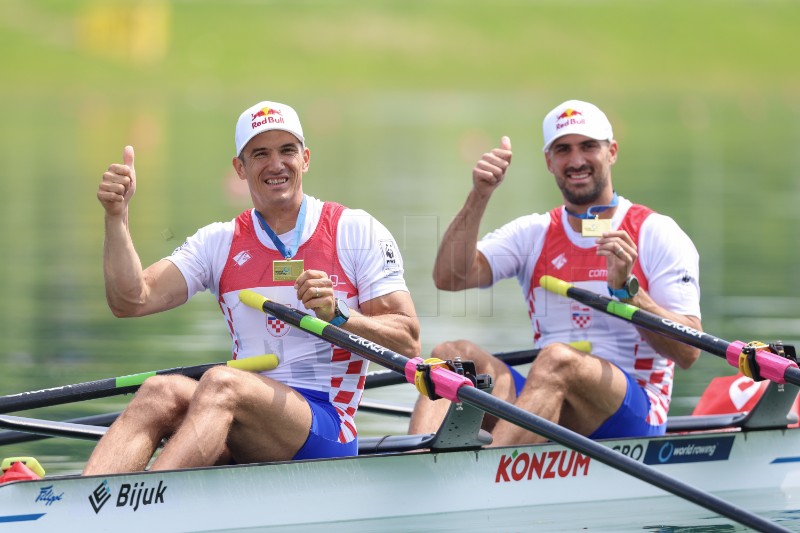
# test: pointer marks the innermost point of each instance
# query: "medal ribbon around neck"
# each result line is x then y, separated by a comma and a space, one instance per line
298, 231
595, 210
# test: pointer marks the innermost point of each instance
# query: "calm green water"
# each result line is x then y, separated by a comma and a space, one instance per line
398, 101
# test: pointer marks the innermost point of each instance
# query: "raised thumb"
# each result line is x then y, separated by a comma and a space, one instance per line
127, 156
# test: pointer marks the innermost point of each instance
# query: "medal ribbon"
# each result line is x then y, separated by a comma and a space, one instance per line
298, 231
595, 210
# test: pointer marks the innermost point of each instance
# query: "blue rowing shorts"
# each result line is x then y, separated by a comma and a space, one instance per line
323, 437
630, 420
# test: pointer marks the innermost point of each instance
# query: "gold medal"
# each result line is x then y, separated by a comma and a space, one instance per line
287, 270
595, 227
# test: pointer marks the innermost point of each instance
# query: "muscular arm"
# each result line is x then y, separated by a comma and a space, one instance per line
621, 252
683, 355
390, 321
458, 264
131, 291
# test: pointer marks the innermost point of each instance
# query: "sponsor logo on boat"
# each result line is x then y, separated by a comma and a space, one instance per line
546, 465
100, 496
635, 452
48, 495
688, 450
129, 495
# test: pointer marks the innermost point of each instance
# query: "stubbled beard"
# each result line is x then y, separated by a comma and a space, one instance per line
583, 197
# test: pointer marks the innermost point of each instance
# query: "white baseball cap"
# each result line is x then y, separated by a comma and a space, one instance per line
265, 116
575, 116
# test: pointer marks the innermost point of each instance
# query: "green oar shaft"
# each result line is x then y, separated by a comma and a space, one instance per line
501, 409
103, 388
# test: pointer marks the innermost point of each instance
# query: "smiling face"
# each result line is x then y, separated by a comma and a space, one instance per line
582, 168
273, 164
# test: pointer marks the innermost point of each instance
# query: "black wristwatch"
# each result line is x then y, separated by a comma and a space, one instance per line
340, 313
628, 291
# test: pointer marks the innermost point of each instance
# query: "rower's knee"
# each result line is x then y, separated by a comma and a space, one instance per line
555, 361
164, 399
485, 363
218, 385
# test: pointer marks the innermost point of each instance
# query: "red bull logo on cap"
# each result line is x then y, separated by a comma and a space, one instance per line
569, 113
569, 117
266, 115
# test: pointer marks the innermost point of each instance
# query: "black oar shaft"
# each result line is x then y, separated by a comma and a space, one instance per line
19, 436
501, 409
590, 448
90, 390
512, 358
47, 428
60, 395
103, 388
772, 366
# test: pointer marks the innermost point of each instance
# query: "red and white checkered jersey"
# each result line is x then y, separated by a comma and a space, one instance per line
360, 257
667, 268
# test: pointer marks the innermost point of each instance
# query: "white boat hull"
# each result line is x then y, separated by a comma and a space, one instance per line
541, 487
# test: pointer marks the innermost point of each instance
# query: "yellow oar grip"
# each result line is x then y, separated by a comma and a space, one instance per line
584, 346
252, 299
257, 363
555, 285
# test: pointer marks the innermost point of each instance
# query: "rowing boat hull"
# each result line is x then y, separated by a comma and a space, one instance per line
540, 487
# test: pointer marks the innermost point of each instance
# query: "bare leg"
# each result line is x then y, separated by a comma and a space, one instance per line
574, 389
154, 413
257, 418
428, 415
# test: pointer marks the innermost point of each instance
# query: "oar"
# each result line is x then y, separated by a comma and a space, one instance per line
455, 387
21, 435
385, 408
771, 366
49, 428
374, 379
387, 377
103, 388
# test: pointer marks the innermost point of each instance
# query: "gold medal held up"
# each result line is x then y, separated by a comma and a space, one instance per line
595, 227
287, 270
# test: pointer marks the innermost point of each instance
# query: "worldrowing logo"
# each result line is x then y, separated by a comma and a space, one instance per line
672, 451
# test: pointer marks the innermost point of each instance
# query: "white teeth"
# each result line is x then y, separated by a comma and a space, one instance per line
276, 181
